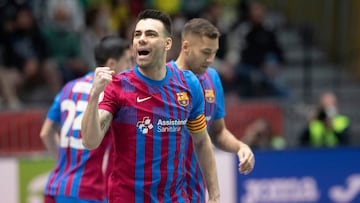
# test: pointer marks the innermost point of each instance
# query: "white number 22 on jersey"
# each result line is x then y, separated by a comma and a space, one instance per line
72, 122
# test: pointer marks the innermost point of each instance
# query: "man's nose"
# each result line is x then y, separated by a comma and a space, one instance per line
142, 39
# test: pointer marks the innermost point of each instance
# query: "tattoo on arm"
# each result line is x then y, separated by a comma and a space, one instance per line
105, 122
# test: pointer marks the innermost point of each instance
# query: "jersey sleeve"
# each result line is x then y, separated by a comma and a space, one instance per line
55, 109
196, 121
220, 104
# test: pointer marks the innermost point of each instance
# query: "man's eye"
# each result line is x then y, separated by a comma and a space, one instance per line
137, 34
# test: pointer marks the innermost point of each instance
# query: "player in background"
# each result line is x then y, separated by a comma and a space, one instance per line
149, 109
200, 42
79, 174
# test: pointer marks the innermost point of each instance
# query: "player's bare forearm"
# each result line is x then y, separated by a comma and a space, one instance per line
226, 142
206, 159
95, 123
92, 127
50, 136
222, 138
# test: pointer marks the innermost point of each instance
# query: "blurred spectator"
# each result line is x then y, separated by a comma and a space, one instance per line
178, 23
327, 127
121, 14
8, 11
64, 44
25, 57
259, 135
258, 65
97, 26
170, 7
214, 13
193, 8
75, 14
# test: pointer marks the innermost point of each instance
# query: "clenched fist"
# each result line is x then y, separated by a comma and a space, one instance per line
103, 76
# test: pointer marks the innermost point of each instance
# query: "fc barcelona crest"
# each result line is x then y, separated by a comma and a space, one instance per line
210, 96
182, 98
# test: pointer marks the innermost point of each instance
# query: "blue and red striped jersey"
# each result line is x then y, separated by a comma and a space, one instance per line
149, 127
78, 172
214, 109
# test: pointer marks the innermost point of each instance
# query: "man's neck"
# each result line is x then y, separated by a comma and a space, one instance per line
180, 63
158, 73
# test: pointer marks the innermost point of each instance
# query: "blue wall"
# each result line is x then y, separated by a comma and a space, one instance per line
306, 175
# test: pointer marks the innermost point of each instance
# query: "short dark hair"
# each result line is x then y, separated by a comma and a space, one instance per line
200, 27
158, 15
109, 47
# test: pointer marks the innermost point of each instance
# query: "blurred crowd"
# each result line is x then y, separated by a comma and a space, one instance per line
45, 43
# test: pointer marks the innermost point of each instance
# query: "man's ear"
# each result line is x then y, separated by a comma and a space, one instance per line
168, 44
185, 46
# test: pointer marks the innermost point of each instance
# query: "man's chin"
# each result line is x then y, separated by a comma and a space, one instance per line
141, 62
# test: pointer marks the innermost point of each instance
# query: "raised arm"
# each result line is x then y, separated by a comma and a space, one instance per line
96, 122
205, 156
223, 139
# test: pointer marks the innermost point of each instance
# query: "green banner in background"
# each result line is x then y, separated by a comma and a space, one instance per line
33, 174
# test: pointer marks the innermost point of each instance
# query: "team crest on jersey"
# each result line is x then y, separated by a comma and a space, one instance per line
210, 96
182, 98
